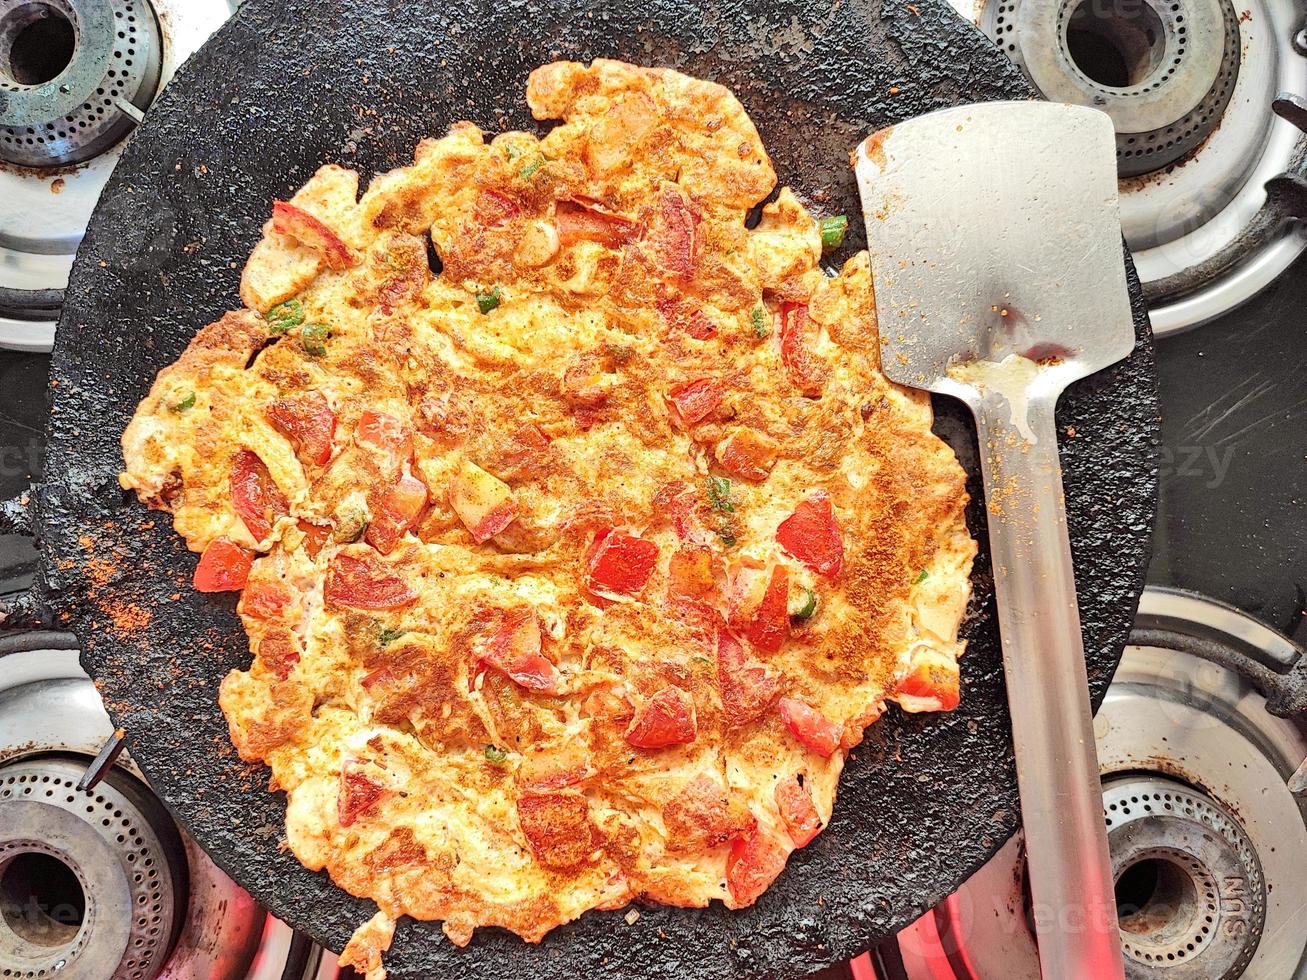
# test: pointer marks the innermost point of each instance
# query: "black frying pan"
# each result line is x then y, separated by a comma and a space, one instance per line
289, 84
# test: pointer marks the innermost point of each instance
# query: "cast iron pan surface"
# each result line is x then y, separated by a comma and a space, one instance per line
290, 84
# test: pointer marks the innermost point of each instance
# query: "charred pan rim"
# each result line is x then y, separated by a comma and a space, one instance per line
288, 84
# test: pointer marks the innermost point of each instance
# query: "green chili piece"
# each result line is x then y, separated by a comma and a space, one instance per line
313, 338
726, 531
351, 525
489, 301
184, 402
495, 755
719, 494
921, 577
832, 231
803, 605
284, 316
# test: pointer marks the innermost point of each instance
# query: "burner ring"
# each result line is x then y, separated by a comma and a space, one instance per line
121, 856
1190, 892
75, 77
1164, 70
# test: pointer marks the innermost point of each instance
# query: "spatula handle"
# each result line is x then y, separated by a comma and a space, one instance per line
1048, 693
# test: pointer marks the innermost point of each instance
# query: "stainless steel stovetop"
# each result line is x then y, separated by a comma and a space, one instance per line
1204, 797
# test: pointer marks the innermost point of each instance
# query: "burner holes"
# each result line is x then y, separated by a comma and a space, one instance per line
1117, 45
41, 899
40, 41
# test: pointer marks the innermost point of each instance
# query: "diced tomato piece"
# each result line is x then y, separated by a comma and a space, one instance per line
395, 510
702, 816
224, 567
691, 572
693, 401
358, 793
805, 369
279, 651
698, 326
811, 535
665, 719
382, 533
494, 208
568, 765
308, 422
621, 563
752, 864
361, 584
584, 223
771, 622
748, 579
255, 495
483, 502
383, 433
265, 600
747, 455
813, 730
675, 502
287, 219
703, 619
557, 826
587, 417
693, 321
673, 234
747, 690
512, 646
931, 684
618, 133
315, 536
583, 382
797, 810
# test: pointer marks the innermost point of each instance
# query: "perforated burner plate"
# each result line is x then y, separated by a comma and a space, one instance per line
1209, 847
111, 857
1202, 906
96, 100
1164, 70
1189, 85
45, 199
118, 842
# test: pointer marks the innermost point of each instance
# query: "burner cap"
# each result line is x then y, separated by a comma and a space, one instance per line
1189, 85
1190, 894
75, 77
1163, 70
70, 850
89, 885
1208, 843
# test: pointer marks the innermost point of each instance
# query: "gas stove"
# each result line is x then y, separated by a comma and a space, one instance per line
96, 879
1202, 735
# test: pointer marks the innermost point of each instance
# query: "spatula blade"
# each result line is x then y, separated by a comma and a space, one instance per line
994, 230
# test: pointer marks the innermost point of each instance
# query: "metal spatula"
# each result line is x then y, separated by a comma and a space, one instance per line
997, 264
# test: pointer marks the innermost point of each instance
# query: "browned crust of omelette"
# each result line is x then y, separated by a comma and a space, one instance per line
526, 646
